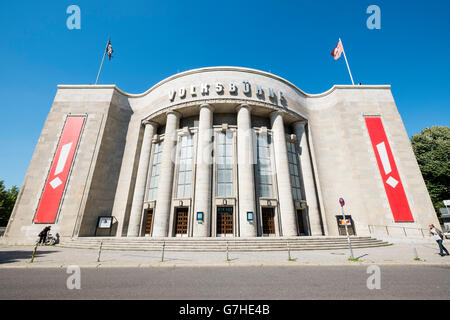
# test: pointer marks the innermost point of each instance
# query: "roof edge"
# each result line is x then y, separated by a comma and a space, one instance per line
211, 69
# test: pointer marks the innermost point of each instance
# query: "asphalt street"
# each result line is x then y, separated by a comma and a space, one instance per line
227, 283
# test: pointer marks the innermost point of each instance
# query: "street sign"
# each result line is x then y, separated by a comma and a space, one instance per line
347, 221
447, 203
344, 222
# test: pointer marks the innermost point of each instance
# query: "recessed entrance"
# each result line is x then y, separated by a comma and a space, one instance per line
302, 220
268, 221
224, 221
181, 221
148, 221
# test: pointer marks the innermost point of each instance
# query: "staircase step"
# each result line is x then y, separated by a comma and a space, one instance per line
220, 244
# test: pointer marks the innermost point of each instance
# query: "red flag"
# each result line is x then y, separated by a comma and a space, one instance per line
336, 53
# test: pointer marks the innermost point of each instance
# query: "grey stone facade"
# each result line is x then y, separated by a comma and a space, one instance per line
110, 177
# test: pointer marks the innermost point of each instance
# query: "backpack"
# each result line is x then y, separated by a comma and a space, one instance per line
440, 233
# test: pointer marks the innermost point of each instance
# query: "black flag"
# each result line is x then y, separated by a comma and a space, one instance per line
109, 50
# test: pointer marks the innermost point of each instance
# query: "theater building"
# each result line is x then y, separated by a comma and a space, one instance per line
220, 152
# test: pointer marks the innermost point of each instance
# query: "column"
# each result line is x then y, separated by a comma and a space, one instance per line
203, 174
308, 179
287, 210
165, 181
134, 226
246, 180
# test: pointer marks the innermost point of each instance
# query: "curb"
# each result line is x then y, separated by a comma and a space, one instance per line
210, 265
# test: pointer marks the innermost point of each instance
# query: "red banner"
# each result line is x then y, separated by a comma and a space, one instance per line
59, 172
388, 170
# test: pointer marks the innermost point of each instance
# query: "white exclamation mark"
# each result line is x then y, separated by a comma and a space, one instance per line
65, 150
381, 147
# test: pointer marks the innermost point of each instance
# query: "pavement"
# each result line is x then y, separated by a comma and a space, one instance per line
399, 253
225, 283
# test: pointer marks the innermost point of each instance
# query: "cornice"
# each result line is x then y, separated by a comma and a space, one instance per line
237, 69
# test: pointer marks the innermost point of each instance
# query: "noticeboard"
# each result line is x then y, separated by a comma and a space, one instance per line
104, 222
348, 222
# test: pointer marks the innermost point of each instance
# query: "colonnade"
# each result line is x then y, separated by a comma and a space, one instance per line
203, 175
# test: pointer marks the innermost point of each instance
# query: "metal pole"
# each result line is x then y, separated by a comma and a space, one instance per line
99, 251
343, 50
289, 251
34, 252
163, 248
101, 65
448, 212
346, 231
416, 256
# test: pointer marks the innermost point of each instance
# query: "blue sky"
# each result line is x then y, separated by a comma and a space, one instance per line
155, 39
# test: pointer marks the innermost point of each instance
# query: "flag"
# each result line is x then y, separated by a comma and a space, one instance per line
109, 50
336, 53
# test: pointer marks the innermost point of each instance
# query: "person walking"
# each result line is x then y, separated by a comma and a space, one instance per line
43, 235
439, 237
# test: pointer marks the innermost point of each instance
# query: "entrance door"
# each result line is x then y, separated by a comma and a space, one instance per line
181, 222
148, 221
224, 221
302, 220
341, 225
268, 221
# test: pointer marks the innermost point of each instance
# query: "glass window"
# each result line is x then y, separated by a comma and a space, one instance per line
185, 167
294, 171
264, 169
155, 171
225, 164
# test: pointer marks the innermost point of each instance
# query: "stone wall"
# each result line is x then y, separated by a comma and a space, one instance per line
104, 170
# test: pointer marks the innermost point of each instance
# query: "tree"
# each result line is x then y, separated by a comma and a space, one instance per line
432, 150
8, 198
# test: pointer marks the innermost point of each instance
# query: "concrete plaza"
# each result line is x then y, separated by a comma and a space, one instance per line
401, 252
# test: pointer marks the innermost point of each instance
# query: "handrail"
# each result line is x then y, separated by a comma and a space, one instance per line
370, 226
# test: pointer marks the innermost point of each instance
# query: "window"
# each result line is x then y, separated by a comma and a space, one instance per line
225, 164
155, 171
294, 171
264, 166
185, 167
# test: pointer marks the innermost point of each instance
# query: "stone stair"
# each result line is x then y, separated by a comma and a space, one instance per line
220, 244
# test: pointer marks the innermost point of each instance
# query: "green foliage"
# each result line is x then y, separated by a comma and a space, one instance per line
354, 260
432, 149
7, 200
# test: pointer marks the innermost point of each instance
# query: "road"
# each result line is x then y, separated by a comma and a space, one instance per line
236, 283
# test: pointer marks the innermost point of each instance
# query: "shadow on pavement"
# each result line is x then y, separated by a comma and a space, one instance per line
18, 256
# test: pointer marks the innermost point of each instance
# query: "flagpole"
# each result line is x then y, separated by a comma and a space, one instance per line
103, 59
343, 50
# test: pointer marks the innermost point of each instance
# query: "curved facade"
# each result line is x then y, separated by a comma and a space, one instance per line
218, 152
